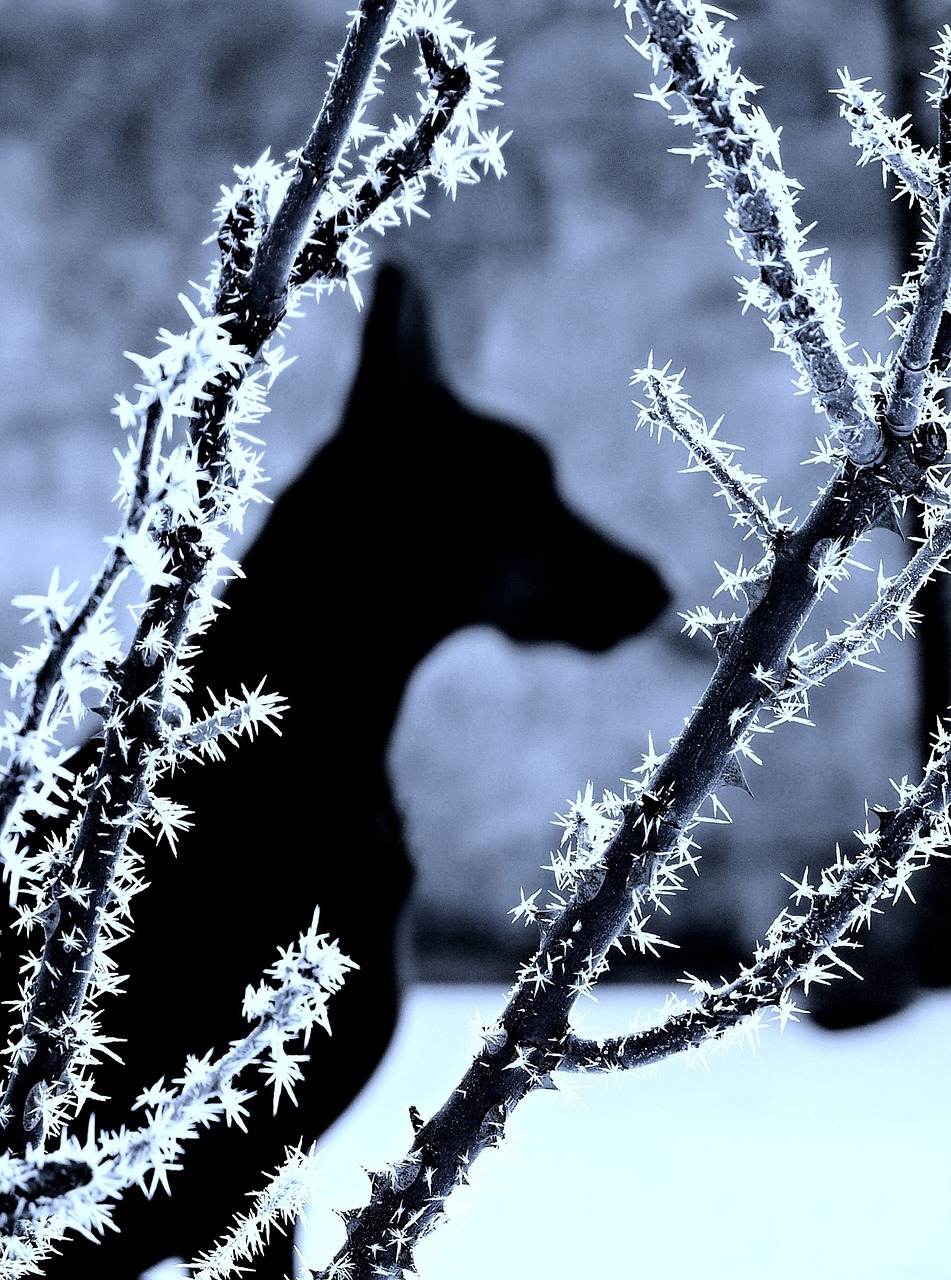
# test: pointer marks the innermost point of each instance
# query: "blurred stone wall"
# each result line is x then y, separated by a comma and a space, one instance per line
119, 122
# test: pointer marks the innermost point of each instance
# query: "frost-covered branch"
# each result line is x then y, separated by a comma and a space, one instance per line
131, 761
186, 480
264, 221
230, 718
879, 137
281, 241
911, 365
619, 867
278, 1204
73, 1186
290, 1002
624, 856
399, 163
798, 948
190, 470
801, 305
32, 772
670, 410
891, 612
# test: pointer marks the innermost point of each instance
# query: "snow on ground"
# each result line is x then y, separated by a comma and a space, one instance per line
821, 1156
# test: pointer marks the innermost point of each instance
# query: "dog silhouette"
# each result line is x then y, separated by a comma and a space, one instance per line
417, 518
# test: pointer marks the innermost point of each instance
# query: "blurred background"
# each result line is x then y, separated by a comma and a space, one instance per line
119, 123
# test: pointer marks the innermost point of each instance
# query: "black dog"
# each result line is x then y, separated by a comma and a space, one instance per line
417, 518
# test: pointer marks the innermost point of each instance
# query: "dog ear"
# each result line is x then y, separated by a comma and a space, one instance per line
397, 354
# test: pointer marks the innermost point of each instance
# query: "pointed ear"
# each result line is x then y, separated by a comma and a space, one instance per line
396, 355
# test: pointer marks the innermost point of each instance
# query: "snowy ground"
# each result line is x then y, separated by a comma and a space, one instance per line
817, 1156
